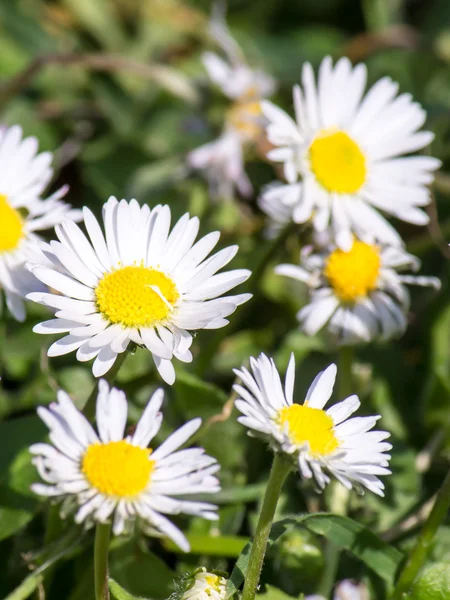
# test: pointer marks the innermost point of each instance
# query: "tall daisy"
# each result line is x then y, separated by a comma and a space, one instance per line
223, 159
357, 295
111, 476
136, 282
319, 442
24, 175
344, 154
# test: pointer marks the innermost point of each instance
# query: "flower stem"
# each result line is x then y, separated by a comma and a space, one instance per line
102, 534
89, 407
339, 494
280, 470
420, 551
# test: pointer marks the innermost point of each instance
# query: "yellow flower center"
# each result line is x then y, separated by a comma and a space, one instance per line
337, 162
353, 274
11, 226
245, 118
309, 425
213, 581
118, 468
136, 296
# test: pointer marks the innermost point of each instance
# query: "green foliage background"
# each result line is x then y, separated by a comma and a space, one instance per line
121, 97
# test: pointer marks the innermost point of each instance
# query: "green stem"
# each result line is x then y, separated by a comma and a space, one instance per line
53, 525
345, 378
89, 407
280, 470
379, 14
420, 551
339, 495
102, 535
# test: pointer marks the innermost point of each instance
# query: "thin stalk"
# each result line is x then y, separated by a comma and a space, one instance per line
339, 495
424, 542
102, 535
379, 14
278, 474
89, 407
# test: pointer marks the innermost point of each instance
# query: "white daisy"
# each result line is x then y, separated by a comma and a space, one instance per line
24, 175
205, 586
358, 295
113, 476
140, 284
223, 159
319, 441
347, 151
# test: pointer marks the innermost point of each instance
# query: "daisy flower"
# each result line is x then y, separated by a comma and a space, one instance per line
343, 155
204, 585
138, 282
24, 175
223, 159
320, 442
112, 476
359, 294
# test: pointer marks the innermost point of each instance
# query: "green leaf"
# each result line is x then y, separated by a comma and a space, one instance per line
433, 584
224, 545
273, 593
119, 593
343, 532
17, 503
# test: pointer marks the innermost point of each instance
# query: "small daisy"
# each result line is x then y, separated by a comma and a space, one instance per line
24, 175
137, 283
359, 294
204, 585
319, 441
348, 153
112, 477
223, 159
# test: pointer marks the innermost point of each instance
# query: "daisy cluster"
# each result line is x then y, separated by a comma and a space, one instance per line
135, 277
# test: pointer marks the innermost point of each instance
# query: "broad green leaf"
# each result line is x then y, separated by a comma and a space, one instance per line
272, 593
343, 532
17, 503
224, 545
119, 593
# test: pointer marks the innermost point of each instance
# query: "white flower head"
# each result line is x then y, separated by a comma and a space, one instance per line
223, 159
344, 157
223, 162
137, 282
357, 295
114, 476
320, 442
204, 585
24, 175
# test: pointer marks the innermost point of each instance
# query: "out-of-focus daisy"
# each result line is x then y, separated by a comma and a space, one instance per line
137, 282
348, 151
24, 175
359, 294
204, 585
223, 159
113, 476
320, 442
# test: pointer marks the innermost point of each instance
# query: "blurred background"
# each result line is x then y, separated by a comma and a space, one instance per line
116, 89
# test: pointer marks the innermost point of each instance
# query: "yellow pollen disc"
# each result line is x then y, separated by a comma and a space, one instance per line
11, 226
353, 274
311, 425
245, 117
337, 162
213, 581
125, 296
118, 468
